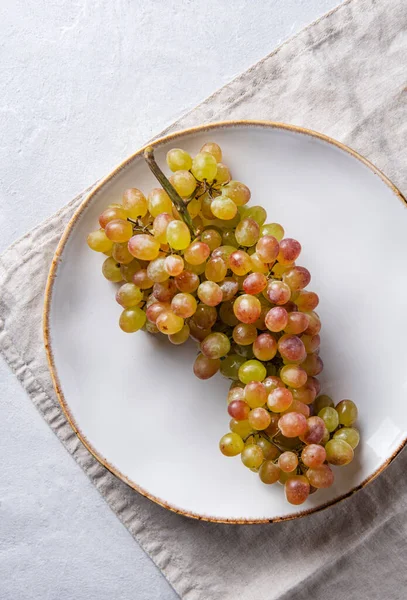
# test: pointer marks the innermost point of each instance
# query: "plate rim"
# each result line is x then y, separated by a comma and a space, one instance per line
48, 302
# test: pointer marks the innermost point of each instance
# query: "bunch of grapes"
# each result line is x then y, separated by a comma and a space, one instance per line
195, 261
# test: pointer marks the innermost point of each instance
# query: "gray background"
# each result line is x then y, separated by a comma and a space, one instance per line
83, 85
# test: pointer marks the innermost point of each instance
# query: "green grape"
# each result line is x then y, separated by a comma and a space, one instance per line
212, 238
184, 305
223, 252
178, 235
330, 417
129, 295
231, 444
252, 456
135, 203
206, 207
229, 238
210, 293
288, 461
144, 247
99, 242
194, 207
160, 225
179, 160
204, 367
132, 319
320, 477
215, 345
181, 337
111, 270
159, 202
244, 334
129, 270
184, 183
265, 347
259, 418
347, 411
321, 402
242, 428
279, 399
169, 323
119, 230
257, 265
227, 315
255, 394
297, 489
257, 213
269, 472
247, 232
293, 376
349, 435
222, 174
215, 269
174, 264
223, 208
156, 270
213, 149
230, 366
197, 253
204, 166
247, 308
237, 191
284, 477
112, 214
273, 229
270, 451
338, 452
252, 370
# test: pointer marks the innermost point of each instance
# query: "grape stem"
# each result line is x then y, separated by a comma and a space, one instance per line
171, 191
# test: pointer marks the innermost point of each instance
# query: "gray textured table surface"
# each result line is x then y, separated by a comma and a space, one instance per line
83, 85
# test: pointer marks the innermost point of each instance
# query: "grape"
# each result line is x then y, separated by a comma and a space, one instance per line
297, 323
212, 238
314, 432
284, 477
315, 383
231, 444
271, 383
297, 489
155, 309
267, 248
119, 230
112, 214
297, 278
144, 246
215, 345
179, 160
265, 347
178, 235
197, 333
129, 295
239, 262
288, 461
169, 323
247, 232
314, 326
276, 319
99, 242
160, 225
279, 399
180, 337
273, 229
259, 418
159, 202
321, 402
213, 149
230, 366
252, 456
135, 203
239, 410
227, 315
307, 301
204, 166
205, 316
223, 208
313, 455
229, 238
229, 287
257, 265
269, 472
292, 349
255, 394
257, 213
174, 264
121, 254
347, 411
349, 435
330, 417
297, 406
156, 270
184, 305
242, 428
270, 451
325, 437
311, 342
278, 292
293, 424
215, 269
222, 174
128, 270
197, 253
184, 183
142, 280
132, 319
247, 308
304, 393
312, 365
206, 210
289, 251
252, 370
224, 253
187, 282
164, 291
320, 477
338, 452
204, 367
111, 270
238, 192
244, 334
236, 393
254, 283
210, 293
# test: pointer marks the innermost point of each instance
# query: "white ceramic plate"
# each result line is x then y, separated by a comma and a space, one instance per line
133, 399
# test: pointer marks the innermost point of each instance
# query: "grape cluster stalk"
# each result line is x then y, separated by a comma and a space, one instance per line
194, 260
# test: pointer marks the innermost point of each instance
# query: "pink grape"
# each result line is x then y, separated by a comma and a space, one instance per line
289, 251
259, 418
297, 278
313, 455
314, 325
269, 472
288, 461
292, 349
297, 323
255, 394
320, 477
119, 230
197, 253
278, 292
293, 424
279, 399
239, 410
229, 287
272, 382
239, 262
276, 319
307, 301
112, 214
265, 347
236, 393
312, 364
297, 489
165, 291
144, 247
184, 305
305, 393
315, 429
187, 282
155, 309
142, 280
174, 264
297, 406
254, 283
160, 225
247, 308
204, 367
210, 293
311, 342
267, 248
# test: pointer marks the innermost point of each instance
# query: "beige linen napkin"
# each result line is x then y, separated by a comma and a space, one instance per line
344, 76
